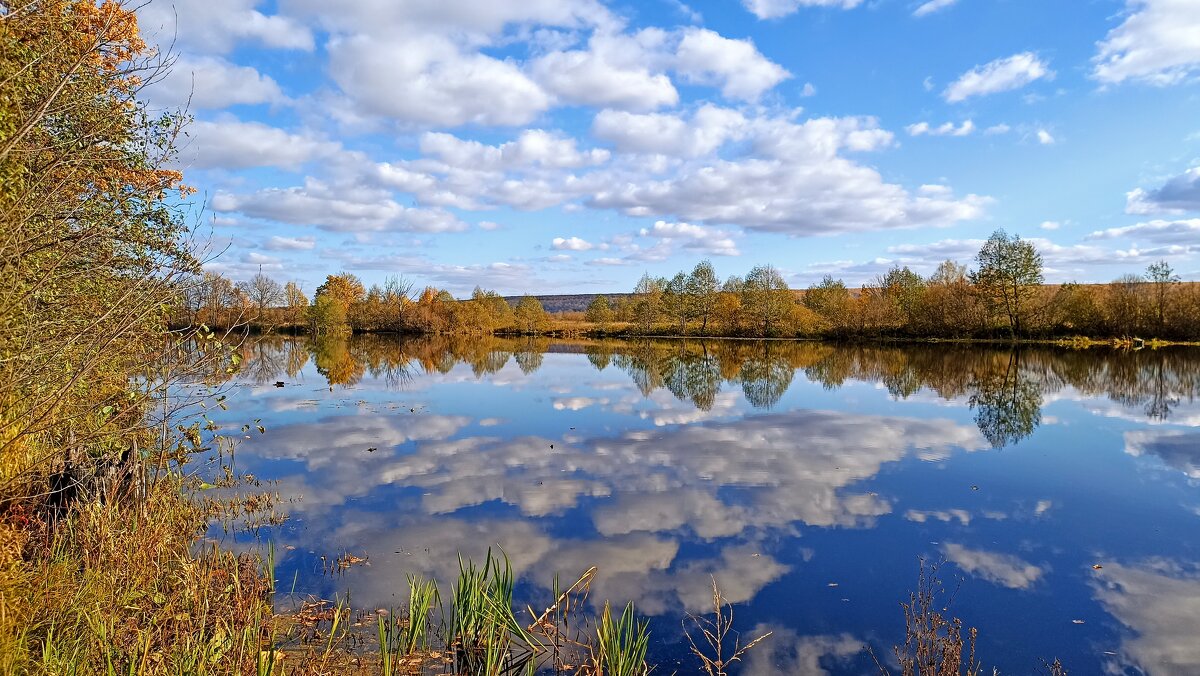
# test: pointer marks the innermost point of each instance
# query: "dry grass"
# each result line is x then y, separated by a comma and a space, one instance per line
722, 645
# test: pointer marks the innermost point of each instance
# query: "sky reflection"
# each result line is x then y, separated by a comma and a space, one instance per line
806, 478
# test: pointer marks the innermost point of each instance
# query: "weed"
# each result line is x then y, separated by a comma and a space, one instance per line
718, 655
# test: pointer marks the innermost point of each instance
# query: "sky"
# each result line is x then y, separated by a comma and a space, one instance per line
569, 146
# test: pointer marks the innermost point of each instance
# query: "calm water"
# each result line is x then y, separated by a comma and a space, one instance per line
806, 478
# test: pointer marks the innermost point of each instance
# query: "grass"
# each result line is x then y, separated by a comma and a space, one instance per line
119, 588
622, 644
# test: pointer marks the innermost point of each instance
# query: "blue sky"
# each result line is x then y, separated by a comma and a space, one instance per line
557, 146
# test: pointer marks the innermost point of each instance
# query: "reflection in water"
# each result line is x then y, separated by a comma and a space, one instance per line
1158, 601
1005, 388
667, 462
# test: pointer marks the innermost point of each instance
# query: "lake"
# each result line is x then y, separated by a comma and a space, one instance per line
1057, 488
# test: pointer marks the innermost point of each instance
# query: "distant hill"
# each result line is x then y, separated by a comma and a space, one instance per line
573, 302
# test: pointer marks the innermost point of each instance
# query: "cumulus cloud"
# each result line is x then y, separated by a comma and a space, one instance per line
612, 72
234, 144
774, 9
1179, 194
323, 206
1002, 569
427, 79
932, 6
571, 244
1001, 75
736, 66
1156, 43
709, 128
1044, 137
795, 180
691, 237
217, 26
532, 147
209, 82
944, 129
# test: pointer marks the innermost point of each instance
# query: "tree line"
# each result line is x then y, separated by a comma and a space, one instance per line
1003, 295
342, 304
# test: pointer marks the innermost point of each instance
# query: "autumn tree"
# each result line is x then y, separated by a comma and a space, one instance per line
530, 316
647, 302
766, 299
903, 290
264, 293
599, 313
676, 302
333, 301
1162, 279
296, 301
702, 286
830, 300
1009, 278
1125, 304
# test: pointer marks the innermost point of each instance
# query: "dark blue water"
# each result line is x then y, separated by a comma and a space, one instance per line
808, 479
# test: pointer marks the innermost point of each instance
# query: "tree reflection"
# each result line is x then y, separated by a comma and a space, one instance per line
1005, 387
1007, 403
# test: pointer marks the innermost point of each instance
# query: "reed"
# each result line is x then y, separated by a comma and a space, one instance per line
622, 643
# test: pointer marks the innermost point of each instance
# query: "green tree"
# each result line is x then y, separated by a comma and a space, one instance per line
677, 303
766, 299
647, 302
830, 299
904, 291
1009, 278
702, 288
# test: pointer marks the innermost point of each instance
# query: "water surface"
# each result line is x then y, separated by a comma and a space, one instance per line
807, 478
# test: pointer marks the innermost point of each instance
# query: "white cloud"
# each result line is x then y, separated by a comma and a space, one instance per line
233, 144
532, 147
336, 209
808, 90
691, 237
1158, 601
708, 129
571, 244
1044, 137
216, 26
1182, 232
944, 129
616, 71
425, 79
1156, 43
997, 129
932, 6
277, 243
1000, 75
736, 66
1179, 194
792, 179
1050, 225
212, 82
774, 9
1002, 569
